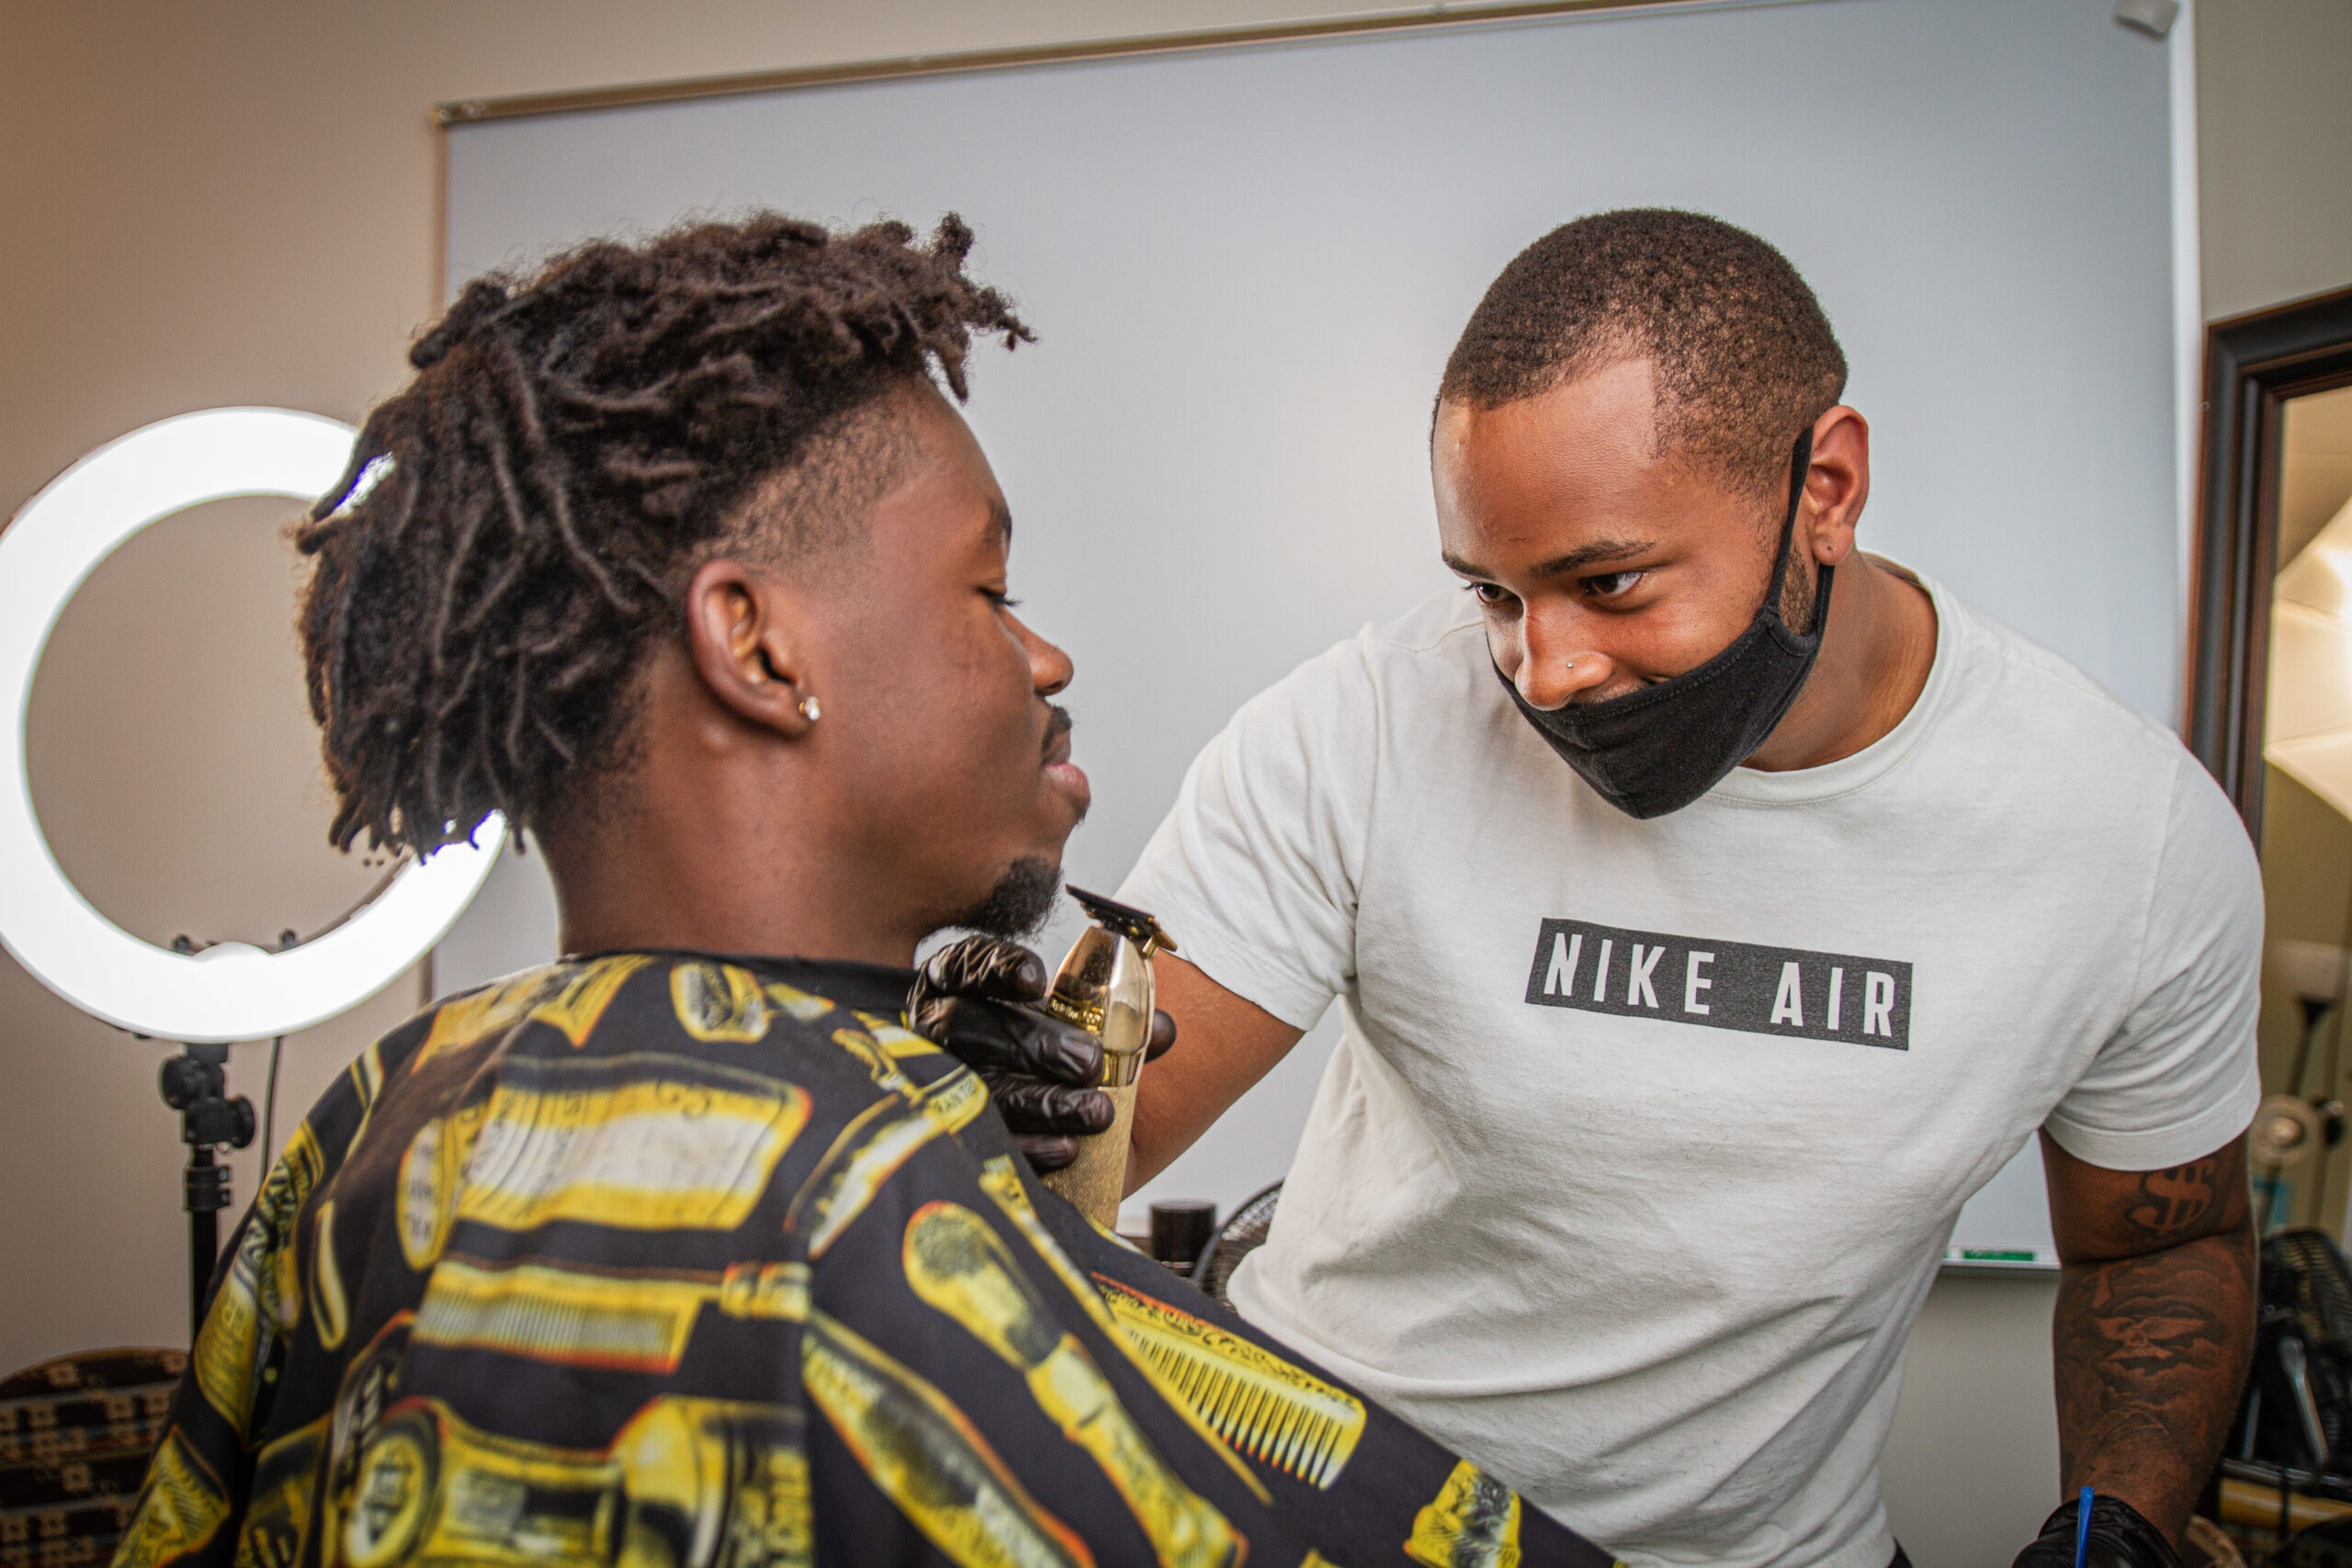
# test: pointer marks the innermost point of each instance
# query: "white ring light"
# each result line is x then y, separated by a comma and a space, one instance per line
233, 991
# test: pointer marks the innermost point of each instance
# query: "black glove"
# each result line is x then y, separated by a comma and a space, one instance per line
977, 999
2121, 1537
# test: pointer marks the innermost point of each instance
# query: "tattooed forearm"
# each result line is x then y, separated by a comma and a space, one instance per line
2153, 1327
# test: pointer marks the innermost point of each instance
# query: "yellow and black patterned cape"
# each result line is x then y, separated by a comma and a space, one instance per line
672, 1261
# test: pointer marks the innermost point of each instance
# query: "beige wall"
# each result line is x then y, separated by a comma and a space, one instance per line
2274, 137
237, 202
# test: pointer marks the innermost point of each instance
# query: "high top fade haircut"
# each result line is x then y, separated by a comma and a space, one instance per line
1742, 355
520, 523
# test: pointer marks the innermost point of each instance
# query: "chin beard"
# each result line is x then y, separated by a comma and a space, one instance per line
1017, 906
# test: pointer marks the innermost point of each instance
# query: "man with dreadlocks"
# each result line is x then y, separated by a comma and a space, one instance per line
684, 1250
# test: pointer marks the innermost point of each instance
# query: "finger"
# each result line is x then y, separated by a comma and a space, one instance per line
1045, 1152
994, 1037
1030, 1106
988, 966
1163, 1036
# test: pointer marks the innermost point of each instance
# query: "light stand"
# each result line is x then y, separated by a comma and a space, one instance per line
231, 991
195, 1084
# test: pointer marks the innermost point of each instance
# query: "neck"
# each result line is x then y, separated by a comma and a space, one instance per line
653, 884
685, 849
1875, 661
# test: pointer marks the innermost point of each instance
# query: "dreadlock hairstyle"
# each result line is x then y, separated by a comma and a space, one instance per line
1743, 359
519, 523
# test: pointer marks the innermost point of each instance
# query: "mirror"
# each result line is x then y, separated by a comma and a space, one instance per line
2306, 822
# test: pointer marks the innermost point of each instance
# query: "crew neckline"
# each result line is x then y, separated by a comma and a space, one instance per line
1755, 786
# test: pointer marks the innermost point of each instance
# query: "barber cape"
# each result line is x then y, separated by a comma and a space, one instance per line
676, 1260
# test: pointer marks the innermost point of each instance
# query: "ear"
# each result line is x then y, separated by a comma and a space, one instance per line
1837, 486
747, 633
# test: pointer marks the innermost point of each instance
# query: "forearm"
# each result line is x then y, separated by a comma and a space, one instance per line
1225, 1045
1177, 1101
2150, 1355
1167, 1122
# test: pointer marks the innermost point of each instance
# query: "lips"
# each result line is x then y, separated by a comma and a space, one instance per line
1059, 770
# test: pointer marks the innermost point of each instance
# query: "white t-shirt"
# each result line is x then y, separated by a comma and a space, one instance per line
1653, 1257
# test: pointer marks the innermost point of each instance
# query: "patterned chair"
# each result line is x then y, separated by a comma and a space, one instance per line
74, 1438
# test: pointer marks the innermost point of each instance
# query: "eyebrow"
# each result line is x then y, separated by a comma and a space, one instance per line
1000, 523
1600, 553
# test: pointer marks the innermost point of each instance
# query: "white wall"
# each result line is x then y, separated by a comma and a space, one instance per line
237, 203
1388, 178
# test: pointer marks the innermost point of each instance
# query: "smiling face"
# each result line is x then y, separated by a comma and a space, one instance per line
1601, 564
953, 765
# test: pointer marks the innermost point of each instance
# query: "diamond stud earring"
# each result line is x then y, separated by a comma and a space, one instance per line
809, 710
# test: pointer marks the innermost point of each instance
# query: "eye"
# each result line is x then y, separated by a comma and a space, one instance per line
1000, 598
1613, 585
1489, 594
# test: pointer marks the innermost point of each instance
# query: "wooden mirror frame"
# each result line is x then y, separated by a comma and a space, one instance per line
2254, 364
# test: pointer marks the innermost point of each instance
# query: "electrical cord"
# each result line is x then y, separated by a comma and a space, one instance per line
270, 1107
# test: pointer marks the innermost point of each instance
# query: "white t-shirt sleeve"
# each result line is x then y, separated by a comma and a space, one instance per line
1254, 872
2179, 1078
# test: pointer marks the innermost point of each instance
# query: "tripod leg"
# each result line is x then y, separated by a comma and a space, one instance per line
207, 1192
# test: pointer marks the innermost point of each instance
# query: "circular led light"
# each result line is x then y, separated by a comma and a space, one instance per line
233, 991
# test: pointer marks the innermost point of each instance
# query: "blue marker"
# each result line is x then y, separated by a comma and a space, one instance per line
2083, 1530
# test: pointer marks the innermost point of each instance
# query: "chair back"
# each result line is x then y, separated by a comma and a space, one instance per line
75, 1434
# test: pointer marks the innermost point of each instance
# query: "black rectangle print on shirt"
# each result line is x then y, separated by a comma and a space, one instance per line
1721, 984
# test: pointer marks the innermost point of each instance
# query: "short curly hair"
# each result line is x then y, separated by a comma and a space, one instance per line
519, 523
1743, 355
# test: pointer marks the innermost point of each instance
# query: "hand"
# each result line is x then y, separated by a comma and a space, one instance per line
977, 999
2121, 1537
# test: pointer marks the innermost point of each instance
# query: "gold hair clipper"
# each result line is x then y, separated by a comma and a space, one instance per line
1104, 987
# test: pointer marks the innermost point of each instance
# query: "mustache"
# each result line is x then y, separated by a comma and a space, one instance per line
1058, 723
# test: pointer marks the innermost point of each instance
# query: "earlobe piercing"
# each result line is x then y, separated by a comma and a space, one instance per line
809, 710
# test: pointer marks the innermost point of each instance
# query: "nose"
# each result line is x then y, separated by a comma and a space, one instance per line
1050, 669
1554, 662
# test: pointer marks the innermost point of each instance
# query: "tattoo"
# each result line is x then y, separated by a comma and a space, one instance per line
2151, 1352
2172, 1202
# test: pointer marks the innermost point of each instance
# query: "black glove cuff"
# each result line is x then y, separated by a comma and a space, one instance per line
2120, 1537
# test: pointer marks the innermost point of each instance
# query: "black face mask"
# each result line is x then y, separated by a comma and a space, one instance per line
1661, 748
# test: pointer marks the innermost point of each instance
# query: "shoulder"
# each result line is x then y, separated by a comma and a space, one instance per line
1424, 660
1393, 695
2100, 762
1432, 644
2044, 689
674, 1092
2025, 729
614, 1029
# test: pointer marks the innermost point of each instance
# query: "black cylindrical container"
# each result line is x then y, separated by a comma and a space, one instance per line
1180, 1230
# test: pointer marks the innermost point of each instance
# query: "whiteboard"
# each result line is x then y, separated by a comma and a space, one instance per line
1246, 269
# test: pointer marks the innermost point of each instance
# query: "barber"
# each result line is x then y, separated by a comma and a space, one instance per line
1714, 909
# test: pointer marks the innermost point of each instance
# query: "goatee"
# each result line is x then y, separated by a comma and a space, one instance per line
1017, 906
